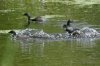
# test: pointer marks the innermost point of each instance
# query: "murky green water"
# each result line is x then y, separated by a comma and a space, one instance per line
85, 52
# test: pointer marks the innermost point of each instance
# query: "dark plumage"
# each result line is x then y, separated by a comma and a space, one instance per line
68, 24
13, 33
38, 19
69, 28
76, 33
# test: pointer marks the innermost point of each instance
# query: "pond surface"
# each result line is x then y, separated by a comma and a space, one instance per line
76, 52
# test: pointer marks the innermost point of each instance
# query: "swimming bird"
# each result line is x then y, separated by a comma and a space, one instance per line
38, 19
28, 34
76, 33
69, 28
19, 35
13, 33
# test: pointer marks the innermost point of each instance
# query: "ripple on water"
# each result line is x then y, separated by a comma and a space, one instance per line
81, 3
29, 34
6, 11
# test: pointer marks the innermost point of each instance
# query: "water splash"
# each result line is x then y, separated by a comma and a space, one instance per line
30, 34
90, 32
28, 37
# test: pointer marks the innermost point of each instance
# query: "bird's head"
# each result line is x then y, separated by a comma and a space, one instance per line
12, 32
26, 14
64, 26
68, 22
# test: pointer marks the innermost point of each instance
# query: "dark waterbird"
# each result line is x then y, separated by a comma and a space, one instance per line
13, 33
18, 36
70, 29
38, 19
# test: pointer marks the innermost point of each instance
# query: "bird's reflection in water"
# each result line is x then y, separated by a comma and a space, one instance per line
83, 43
36, 47
31, 47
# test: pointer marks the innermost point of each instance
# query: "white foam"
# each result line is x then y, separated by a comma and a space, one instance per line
89, 32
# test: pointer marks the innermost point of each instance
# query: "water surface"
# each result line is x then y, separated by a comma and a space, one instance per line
76, 52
